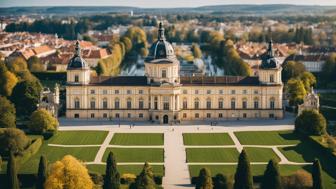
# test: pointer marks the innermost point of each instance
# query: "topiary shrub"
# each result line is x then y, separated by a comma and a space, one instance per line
42, 121
13, 140
310, 122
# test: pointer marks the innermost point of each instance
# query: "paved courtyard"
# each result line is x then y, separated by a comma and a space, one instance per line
176, 172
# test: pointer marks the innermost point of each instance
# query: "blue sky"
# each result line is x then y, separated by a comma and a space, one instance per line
155, 3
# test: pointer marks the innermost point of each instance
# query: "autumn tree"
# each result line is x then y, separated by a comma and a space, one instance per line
7, 113
17, 65
196, 51
12, 179
13, 140
243, 176
25, 96
317, 175
204, 179
310, 122
146, 178
68, 173
291, 69
42, 121
308, 80
35, 64
271, 178
42, 173
127, 42
7, 80
112, 176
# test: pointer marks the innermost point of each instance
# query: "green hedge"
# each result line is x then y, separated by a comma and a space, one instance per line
30, 151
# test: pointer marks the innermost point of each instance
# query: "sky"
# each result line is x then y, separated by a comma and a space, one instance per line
155, 3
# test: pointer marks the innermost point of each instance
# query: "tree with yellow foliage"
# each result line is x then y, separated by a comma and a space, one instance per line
68, 173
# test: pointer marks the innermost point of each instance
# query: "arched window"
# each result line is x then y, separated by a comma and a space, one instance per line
220, 103
208, 103
77, 103
196, 103
244, 103
272, 103
166, 102
271, 78
129, 103
117, 103
233, 103
93, 103
164, 73
185, 103
256, 103
141, 103
105, 106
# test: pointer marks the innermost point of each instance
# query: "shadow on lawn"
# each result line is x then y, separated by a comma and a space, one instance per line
288, 136
310, 151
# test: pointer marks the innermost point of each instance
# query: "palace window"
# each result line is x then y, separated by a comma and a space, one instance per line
117, 115
105, 115
220, 103
166, 102
221, 92
155, 103
116, 92
105, 103
104, 92
140, 91
164, 73
233, 91
208, 103
185, 92
76, 78
129, 92
244, 91
76, 116
117, 103
92, 115
92, 92
244, 103
256, 103
220, 115
185, 103
208, 91
129, 115
197, 115
129, 103
196, 103
140, 115
272, 78
233, 103
196, 91
256, 92
184, 115
141, 103
208, 115
272, 103
77, 103
93, 104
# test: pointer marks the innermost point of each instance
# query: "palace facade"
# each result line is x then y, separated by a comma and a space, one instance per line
163, 96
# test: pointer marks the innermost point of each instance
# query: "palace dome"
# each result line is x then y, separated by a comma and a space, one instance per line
268, 59
161, 49
77, 62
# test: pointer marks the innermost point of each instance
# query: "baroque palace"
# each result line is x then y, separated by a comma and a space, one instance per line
163, 96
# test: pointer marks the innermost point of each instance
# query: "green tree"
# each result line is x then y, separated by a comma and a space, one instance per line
317, 175
112, 177
146, 178
292, 69
35, 64
7, 80
13, 140
329, 69
308, 80
296, 91
1, 163
243, 177
204, 179
17, 65
271, 178
223, 182
310, 122
7, 113
101, 68
12, 179
25, 96
42, 121
42, 173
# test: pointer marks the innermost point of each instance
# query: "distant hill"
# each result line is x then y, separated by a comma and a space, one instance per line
219, 9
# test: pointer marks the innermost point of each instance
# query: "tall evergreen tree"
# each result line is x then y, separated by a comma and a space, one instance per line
12, 179
146, 178
317, 177
42, 173
204, 179
243, 177
271, 178
223, 182
112, 176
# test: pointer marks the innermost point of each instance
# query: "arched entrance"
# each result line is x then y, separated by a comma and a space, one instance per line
165, 119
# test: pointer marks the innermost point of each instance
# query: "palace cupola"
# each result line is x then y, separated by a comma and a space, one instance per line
161, 65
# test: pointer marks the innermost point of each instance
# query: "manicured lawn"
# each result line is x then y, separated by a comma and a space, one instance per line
231, 169
79, 137
136, 154
300, 153
207, 139
56, 153
137, 139
260, 154
133, 169
267, 137
212, 154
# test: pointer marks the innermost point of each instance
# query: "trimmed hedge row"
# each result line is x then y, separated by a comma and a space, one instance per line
30, 151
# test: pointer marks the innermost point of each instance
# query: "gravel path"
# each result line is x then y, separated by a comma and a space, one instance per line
103, 147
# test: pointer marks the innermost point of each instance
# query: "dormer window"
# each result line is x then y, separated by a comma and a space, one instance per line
164, 73
76, 78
